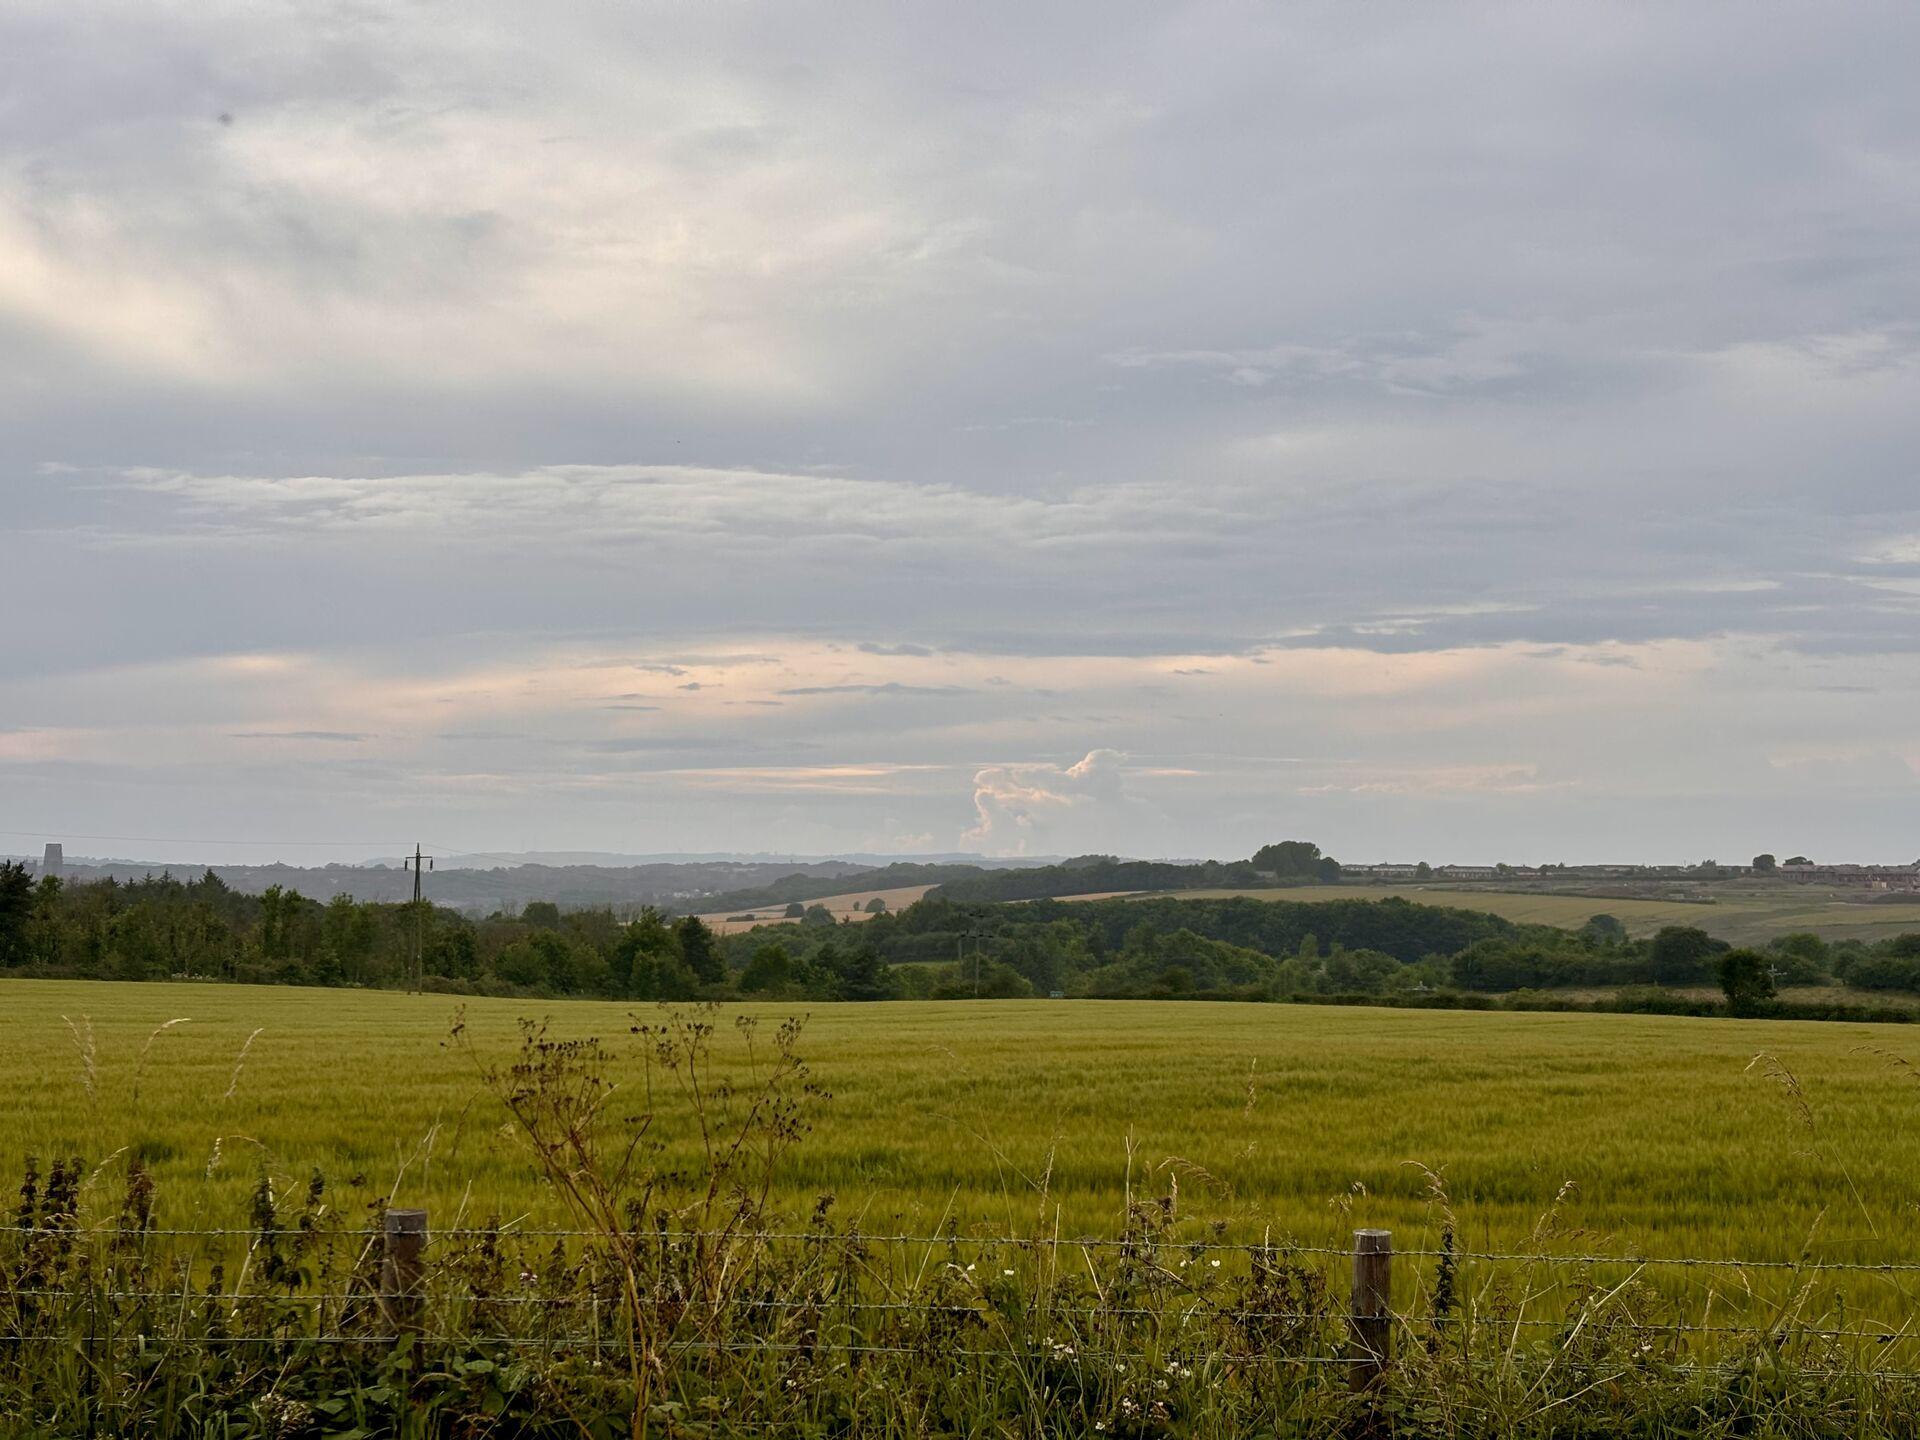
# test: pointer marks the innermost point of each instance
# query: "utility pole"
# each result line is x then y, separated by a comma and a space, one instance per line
960, 955
976, 935
413, 862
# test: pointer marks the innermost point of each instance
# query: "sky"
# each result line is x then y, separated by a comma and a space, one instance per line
1460, 432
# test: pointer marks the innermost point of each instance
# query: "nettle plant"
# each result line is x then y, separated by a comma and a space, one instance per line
668, 1182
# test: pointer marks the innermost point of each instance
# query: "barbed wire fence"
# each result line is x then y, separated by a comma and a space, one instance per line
1049, 1300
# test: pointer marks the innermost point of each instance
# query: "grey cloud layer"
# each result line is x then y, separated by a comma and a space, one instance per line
1188, 566
891, 349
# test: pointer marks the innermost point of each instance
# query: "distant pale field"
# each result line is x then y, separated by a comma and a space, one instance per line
850, 906
1744, 917
1302, 1121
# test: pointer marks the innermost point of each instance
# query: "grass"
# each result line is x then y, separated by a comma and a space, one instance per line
1743, 916
1303, 1120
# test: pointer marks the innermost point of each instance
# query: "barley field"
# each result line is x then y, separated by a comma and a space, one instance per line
1661, 1135
1742, 916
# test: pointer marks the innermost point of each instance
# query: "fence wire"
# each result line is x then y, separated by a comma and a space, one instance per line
834, 1307
1143, 1245
851, 1326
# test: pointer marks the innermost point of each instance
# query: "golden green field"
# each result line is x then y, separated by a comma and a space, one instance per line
1302, 1121
1743, 916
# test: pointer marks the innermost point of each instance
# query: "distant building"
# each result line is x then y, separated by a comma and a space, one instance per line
1865, 877
54, 862
1869, 877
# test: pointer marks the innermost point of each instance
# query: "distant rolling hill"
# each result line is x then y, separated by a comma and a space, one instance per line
683, 886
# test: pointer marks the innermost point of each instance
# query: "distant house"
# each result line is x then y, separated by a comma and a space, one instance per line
1867, 877
1380, 872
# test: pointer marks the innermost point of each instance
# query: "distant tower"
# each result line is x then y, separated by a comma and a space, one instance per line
54, 862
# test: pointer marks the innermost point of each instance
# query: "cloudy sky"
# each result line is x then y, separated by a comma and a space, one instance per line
1462, 432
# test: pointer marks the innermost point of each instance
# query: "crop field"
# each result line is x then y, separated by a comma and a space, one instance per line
1744, 917
850, 906
1011, 1116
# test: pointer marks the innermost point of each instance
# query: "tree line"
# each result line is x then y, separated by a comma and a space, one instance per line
163, 927
1288, 862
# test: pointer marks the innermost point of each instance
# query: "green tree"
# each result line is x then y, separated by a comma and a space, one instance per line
994, 982
348, 934
646, 957
1174, 980
816, 915
1680, 955
697, 950
44, 928
543, 960
16, 911
876, 906
1289, 859
275, 912
857, 973
661, 977
770, 971
1603, 929
1801, 958
1765, 864
794, 910
1744, 975
450, 951
541, 914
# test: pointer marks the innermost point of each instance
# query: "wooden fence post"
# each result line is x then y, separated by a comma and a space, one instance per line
1371, 1318
401, 1291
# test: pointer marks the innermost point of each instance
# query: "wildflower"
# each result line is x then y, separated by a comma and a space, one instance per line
283, 1415
1007, 1273
1214, 1263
